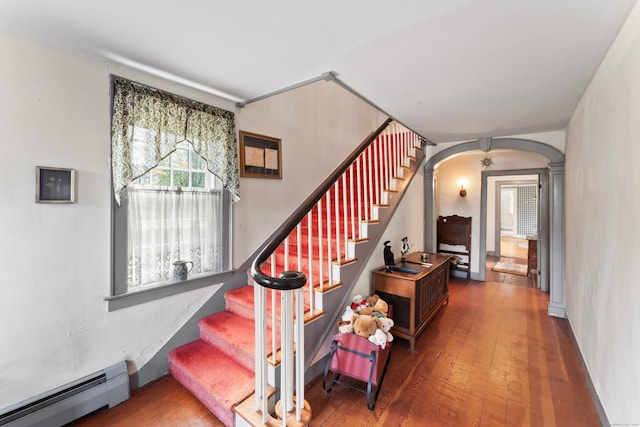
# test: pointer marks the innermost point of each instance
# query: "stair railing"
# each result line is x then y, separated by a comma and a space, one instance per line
333, 216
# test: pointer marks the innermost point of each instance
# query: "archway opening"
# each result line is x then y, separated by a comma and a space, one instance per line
440, 200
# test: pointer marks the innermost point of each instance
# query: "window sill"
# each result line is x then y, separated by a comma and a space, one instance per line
117, 302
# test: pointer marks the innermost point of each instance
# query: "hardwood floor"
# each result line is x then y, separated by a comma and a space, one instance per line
492, 357
513, 249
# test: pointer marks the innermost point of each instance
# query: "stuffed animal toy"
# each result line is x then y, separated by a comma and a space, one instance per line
365, 326
379, 338
372, 300
387, 324
345, 327
379, 308
358, 303
348, 314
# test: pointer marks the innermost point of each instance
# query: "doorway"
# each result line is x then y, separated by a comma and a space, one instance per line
516, 216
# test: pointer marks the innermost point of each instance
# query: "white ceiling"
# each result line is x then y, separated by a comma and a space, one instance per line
451, 70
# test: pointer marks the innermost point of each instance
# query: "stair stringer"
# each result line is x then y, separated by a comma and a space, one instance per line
321, 330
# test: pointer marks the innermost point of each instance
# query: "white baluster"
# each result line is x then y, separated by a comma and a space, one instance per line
310, 255
337, 220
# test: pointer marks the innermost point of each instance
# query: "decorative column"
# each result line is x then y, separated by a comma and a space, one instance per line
429, 211
558, 295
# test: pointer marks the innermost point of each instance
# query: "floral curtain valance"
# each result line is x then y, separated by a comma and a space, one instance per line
147, 124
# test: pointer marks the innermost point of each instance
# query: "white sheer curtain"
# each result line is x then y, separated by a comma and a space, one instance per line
166, 226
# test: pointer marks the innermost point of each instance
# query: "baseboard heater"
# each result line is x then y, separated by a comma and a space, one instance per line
69, 402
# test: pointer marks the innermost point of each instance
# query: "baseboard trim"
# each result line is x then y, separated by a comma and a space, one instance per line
556, 310
602, 416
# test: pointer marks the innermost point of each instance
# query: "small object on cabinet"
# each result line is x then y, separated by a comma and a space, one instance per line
388, 255
404, 249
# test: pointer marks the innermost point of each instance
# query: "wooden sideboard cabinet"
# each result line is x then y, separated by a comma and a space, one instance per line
416, 298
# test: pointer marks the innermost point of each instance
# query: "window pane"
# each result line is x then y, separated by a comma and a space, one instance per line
197, 162
144, 179
181, 179
197, 179
180, 159
161, 177
165, 162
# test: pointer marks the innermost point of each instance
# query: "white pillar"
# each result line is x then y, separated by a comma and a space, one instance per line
558, 295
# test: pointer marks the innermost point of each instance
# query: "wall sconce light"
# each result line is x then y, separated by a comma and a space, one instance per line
463, 192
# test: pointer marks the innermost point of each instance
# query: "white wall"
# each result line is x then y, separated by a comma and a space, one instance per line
55, 111
319, 124
603, 227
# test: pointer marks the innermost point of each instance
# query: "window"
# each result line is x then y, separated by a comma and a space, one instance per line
175, 175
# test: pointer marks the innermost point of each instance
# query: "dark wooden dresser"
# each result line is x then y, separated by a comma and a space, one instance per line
416, 297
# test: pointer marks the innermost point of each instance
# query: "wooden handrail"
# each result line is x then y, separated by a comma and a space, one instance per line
289, 280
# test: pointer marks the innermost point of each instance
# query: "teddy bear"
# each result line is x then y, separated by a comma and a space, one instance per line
377, 307
387, 324
382, 307
348, 314
358, 303
371, 300
379, 338
364, 325
345, 327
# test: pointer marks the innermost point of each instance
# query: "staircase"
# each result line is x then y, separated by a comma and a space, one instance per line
318, 240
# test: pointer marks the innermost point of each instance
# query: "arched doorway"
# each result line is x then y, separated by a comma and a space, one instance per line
552, 193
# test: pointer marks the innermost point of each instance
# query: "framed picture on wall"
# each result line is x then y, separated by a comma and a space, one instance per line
55, 185
260, 156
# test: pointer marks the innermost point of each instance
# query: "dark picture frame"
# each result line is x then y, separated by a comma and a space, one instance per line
55, 185
260, 156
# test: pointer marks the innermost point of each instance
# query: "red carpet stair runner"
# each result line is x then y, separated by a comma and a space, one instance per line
219, 367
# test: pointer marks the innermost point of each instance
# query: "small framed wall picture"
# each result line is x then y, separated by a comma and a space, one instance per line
55, 185
260, 156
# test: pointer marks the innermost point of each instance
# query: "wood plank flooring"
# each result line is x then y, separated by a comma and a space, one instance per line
492, 357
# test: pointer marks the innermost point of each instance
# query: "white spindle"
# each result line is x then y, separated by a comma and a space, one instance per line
299, 353
336, 202
352, 210
286, 346
310, 263
376, 170
274, 301
394, 157
389, 161
359, 190
299, 246
260, 401
286, 253
329, 241
370, 177
384, 162
345, 213
320, 245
